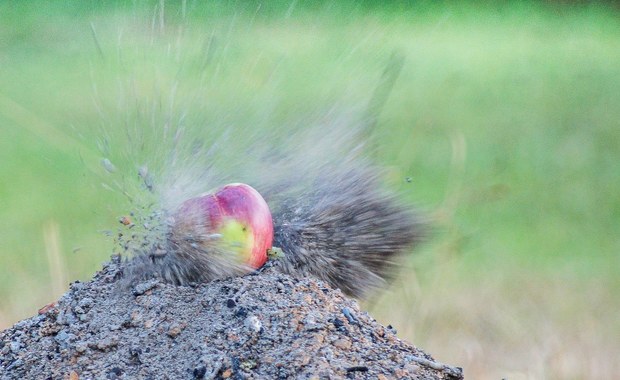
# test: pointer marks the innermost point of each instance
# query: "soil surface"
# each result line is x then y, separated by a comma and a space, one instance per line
261, 326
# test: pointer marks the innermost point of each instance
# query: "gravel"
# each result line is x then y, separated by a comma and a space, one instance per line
262, 326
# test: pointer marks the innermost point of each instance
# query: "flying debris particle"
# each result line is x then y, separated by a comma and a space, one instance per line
143, 171
108, 166
213, 237
147, 178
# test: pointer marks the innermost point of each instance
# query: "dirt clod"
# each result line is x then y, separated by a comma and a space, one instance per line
265, 326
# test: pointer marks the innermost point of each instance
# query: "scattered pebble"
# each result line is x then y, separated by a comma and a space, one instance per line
175, 330
86, 303
359, 368
144, 287
81, 347
338, 322
14, 347
253, 324
343, 344
349, 315
200, 372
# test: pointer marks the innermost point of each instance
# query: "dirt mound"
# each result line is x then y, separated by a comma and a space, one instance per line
262, 326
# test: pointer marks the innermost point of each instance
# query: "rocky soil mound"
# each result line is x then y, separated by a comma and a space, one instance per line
261, 326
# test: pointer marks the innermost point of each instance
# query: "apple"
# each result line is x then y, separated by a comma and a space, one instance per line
234, 219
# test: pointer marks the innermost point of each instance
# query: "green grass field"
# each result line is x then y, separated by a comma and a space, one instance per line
506, 119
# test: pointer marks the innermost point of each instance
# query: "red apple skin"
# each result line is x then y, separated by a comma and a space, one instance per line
242, 205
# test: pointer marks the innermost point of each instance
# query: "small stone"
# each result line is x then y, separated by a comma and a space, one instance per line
106, 344
77, 286
135, 318
241, 312
47, 308
200, 372
342, 343
86, 303
63, 338
253, 324
81, 347
175, 330
115, 373
411, 368
14, 347
319, 338
144, 287
400, 373
21, 324
17, 363
310, 323
358, 368
248, 365
65, 318
349, 315
304, 360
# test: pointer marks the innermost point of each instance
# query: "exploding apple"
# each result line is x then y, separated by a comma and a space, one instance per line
233, 220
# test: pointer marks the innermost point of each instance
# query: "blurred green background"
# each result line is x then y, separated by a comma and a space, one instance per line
505, 117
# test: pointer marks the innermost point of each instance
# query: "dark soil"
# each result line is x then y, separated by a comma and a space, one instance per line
262, 326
